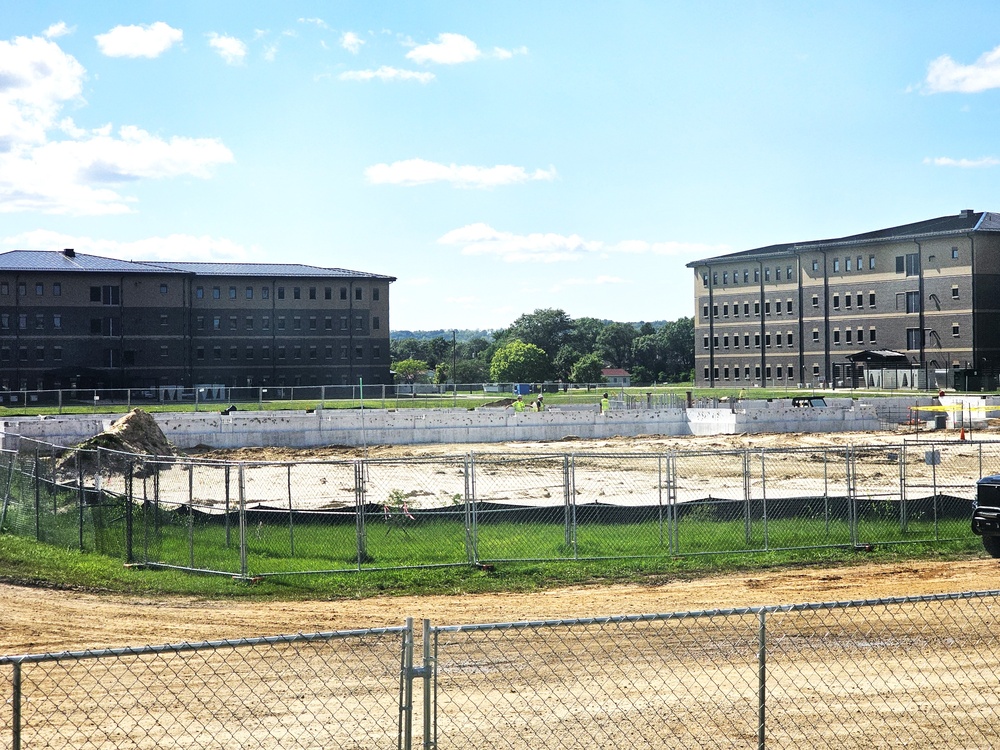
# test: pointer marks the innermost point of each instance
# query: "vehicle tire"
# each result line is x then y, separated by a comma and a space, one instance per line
992, 545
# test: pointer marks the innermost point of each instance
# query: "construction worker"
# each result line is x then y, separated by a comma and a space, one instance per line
519, 404
605, 404
538, 405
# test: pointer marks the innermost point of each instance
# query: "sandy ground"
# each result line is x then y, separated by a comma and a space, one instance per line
44, 620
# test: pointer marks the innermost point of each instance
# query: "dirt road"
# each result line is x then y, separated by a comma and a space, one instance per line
44, 620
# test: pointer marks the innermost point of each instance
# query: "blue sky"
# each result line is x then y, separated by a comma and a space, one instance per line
495, 157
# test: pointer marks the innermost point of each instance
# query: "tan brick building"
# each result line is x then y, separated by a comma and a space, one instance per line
794, 313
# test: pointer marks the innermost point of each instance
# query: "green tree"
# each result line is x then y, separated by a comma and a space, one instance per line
408, 370
678, 349
615, 343
566, 357
547, 329
587, 369
584, 334
518, 362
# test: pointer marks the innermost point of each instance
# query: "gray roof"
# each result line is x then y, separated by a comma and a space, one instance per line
47, 260
962, 223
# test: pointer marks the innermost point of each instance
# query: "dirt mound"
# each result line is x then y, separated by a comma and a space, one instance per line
134, 434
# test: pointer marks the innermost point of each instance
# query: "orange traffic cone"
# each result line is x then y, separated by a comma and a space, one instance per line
961, 435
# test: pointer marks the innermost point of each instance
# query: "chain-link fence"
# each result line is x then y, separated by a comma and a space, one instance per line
271, 518
914, 672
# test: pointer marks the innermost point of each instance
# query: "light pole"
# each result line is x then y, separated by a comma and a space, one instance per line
454, 360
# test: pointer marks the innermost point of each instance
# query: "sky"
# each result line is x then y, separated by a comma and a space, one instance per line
495, 157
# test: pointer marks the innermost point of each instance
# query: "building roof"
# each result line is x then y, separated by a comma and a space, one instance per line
964, 222
69, 261
615, 372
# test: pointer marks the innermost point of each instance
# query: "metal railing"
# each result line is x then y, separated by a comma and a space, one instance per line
909, 671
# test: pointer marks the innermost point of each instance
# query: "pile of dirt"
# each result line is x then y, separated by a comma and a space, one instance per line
135, 434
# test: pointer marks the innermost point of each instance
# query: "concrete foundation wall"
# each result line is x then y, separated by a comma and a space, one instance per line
413, 426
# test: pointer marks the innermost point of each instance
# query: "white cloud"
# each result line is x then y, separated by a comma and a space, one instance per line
57, 30
174, 247
150, 40
946, 75
315, 22
944, 161
351, 42
422, 172
387, 73
229, 48
49, 164
482, 239
448, 50
38, 78
595, 281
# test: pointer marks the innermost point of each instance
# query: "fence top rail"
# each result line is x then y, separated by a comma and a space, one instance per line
177, 648
507, 458
710, 613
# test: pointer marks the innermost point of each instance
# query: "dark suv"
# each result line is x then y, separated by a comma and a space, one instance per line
986, 513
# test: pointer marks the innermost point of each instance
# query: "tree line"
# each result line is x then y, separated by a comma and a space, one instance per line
549, 345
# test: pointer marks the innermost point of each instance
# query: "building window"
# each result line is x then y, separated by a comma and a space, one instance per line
328, 352
39, 320
913, 302
376, 322
281, 352
871, 262
297, 352
106, 295
163, 288
232, 322
249, 292
200, 320
836, 336
312, 352
249, 352
954, 292
836, 265
164, 351
327, 293
847, 264
908, 264
22, 321
706, 373
815, 265
22, 291
715, 311
871, 299
767, 274
199, 292
725, 342
815, 335
56, 289
847, 301
767, 307
217, 323
375, 296
312, 322
359, 352
836, 302
376, 352
704, 343
954, 330
164, 320
725, 373
357, 293
815, 300
704, 282
343, 322
848, 336
777, 339
860, 262
789, 338
232, 292
217, 352
265, 292
265, 323
57, 320
358, 323
297, 323
234, 352
248, 322
312, 292
281, 292
296, 293
216, 292
4, 288
715, 342
328, 323
199, 353
871, 335
954, 253
914, 338
343, 352
756, 341
39, 289
265, 352
704, 311
281, 322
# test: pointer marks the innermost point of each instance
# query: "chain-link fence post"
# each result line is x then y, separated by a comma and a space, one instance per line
763, 495
226, 518
359, 512
6, 494
430, 683
572, 499
471, 552
129, 504
404, 736
291, 522
567, 521
38, 499
15, 708
762, 680
243, 519
747, 496
190, 511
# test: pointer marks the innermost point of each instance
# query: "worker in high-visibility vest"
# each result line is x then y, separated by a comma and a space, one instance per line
605, 404
519, 404
538, 405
